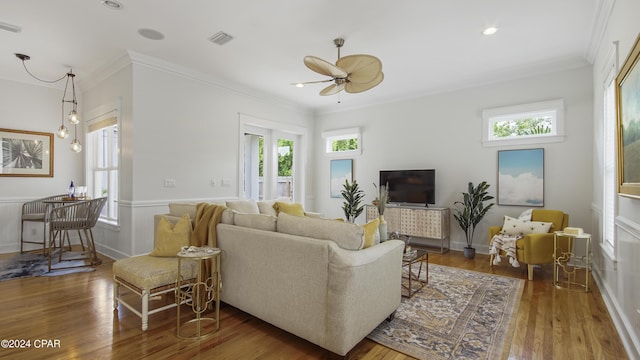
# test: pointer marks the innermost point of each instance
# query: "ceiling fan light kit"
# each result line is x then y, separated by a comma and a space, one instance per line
352, 73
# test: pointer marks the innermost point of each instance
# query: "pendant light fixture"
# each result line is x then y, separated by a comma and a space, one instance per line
73, 117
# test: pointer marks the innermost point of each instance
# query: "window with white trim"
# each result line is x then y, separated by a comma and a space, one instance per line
533, 123
102, 164
610, 182
343, 141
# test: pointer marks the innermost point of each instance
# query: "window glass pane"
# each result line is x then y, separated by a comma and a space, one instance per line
284, 182
113, 195
523, 127
344, 144
114, 146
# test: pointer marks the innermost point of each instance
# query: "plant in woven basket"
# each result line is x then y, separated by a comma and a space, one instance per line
353, 195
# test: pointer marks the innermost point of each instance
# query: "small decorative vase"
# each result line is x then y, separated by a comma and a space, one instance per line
382, 229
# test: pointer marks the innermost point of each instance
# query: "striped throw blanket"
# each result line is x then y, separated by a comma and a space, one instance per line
506, 243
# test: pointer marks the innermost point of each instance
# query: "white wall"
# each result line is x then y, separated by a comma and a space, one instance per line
619, 280
443, 132
33, 108
176, 125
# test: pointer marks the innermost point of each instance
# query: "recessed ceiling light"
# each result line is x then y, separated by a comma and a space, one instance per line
299, 85
151, 34
112, 4
490, 30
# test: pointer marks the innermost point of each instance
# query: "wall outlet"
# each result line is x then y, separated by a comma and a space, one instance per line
33, 231
213, 183
169, 183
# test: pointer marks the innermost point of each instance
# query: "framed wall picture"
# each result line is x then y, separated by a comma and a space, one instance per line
521, 177
26, 153
341, 170
628, 137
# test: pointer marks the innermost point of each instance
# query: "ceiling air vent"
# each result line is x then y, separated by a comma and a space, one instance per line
9, 27
220, 38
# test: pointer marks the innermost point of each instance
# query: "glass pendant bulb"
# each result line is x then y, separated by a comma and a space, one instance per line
73, 117
62, 132
76, 146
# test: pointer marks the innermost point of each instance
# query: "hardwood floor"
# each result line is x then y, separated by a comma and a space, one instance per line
76, 310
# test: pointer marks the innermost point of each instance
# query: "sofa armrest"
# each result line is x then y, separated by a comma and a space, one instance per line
364, 289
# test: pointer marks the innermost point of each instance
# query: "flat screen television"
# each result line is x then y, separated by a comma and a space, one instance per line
410, 187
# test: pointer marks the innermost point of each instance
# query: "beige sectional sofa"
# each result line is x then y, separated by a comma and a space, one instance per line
306, 275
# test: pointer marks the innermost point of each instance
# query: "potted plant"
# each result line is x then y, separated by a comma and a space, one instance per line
470, 211
353, 195
381, 203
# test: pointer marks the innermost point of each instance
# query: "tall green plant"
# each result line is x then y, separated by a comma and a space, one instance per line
471, 209
353, 195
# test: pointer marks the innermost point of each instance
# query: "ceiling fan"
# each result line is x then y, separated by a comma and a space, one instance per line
352, 73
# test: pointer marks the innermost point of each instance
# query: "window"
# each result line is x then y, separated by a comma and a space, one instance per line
102, 164
524, 124
344, 141
273, 159
609, 183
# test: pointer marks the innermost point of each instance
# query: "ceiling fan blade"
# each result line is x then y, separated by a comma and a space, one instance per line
324, 67
332, 89
352, 87
361, 68
312, 82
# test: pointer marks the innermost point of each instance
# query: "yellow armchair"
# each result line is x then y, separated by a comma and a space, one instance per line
537, 249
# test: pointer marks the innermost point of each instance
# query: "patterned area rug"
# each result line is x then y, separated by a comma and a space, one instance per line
26, 265
459, 314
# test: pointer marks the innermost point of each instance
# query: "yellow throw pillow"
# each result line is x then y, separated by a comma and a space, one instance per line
289, 208
171, 238
370, 231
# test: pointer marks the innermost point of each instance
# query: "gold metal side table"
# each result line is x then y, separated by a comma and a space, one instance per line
202, 293
414, 283
566, 261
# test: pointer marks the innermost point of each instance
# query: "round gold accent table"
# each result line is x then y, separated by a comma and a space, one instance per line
202, 294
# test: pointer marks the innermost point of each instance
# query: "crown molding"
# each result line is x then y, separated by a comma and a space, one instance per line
600, 22
134, 58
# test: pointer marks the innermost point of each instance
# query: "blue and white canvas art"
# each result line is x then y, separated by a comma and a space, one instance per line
521, 177
341, 170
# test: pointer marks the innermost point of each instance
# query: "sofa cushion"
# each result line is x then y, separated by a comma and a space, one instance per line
149, 272
179, 209
171, 238
513, 226
256, 221
243, 206
370, 232
346, 235
289, 208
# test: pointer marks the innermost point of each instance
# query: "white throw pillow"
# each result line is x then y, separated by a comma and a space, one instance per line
513, 226
526, 215
243, 206
266, 206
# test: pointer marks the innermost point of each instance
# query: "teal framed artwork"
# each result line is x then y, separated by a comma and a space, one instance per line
341, 170
521, 177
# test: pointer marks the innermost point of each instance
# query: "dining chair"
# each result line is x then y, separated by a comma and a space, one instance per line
80, 216
36, 211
